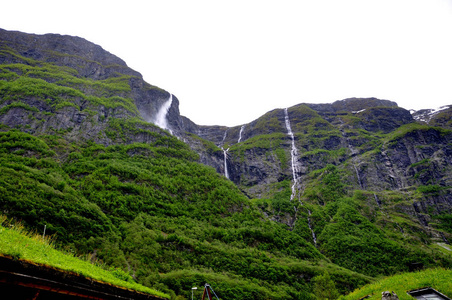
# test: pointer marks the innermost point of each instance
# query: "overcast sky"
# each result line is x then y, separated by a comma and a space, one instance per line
229, 62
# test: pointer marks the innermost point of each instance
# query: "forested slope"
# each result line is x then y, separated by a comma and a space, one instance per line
153, 211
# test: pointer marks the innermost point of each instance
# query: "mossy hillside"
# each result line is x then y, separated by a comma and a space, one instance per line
444, 222
307, 121
318, 141
45, 88
347, 221
208, 146
321, 157
353, 242
55, 99
150, 209
124, 131
54, 93
271, 122
68, 77
268, 144
350, 119
275, 196
330, 183
411, 129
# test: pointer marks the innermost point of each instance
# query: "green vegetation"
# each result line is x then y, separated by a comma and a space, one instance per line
59, 86
269, 123
353, 242
18, 243
367, 204
355, 229
438, 279
22, 105
324, 287
152, 210
411, 128
445, 222
348, 231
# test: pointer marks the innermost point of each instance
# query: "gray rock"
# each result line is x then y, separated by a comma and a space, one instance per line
389, 296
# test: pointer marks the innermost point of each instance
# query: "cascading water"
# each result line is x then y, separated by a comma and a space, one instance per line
357, 175
225, 153
240, 133
293, 154
224, 136
161, 117
310, 227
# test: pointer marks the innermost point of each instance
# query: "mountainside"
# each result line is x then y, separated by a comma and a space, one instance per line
346, 191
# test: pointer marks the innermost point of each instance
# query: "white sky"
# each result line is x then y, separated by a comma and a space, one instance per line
229, 62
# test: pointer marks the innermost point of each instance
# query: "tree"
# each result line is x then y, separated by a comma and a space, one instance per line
324, 287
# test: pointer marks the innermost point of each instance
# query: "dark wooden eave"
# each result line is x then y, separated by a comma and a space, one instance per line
26, 280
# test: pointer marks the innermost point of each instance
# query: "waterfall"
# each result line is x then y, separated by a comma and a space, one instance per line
310, 227
225, 153
224, 136
357, 175
161, 117
240, 133
293, 154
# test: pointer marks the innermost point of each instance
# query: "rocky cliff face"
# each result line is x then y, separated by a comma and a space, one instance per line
75, 86
260, 150
380, 148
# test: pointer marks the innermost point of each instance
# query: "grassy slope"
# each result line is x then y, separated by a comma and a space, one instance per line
20, 244
439, 279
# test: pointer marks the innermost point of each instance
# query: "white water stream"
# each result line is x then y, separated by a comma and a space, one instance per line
240, 133
293, 154
357, 175
224, 136
161, 119
310, 227
225, 153
295, 170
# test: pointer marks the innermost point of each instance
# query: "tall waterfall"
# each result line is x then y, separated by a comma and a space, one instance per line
161, 119
225, 154
240, 133
293, 154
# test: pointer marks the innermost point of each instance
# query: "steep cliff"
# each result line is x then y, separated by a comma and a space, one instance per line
54, 83
378, 146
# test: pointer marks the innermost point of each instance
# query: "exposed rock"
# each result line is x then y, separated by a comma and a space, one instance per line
439, 116
84, 60
389, 296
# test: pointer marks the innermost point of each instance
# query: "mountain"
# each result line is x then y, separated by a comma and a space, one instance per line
315, 194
